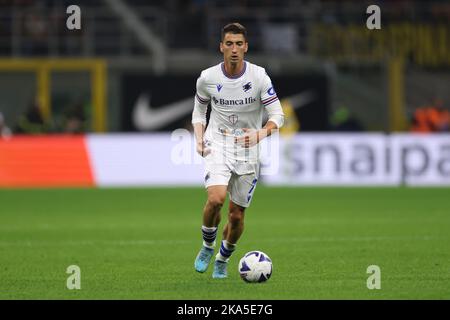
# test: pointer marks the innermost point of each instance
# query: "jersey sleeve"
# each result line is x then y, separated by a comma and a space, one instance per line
202, 95
268, 94
201, 101
270, 101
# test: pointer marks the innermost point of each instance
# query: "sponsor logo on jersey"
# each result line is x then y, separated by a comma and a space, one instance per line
247, 86
271, 91
233, 102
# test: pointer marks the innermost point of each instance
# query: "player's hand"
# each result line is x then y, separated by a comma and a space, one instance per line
250, 138
202, 149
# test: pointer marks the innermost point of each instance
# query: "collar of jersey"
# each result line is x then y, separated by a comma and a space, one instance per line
236, 76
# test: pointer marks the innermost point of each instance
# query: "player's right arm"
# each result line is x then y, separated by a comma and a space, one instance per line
201, 102
199, 131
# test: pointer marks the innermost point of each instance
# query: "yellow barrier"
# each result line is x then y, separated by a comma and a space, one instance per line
397, 114
43, 69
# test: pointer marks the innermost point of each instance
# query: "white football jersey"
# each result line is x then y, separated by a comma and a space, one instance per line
237, 102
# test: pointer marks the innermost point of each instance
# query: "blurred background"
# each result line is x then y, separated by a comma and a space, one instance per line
132, 59
95, 125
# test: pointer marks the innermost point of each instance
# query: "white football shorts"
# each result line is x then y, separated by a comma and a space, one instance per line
240, 177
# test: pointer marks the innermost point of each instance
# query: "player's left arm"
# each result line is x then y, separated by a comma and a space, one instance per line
275, 122
270, 101
253, 137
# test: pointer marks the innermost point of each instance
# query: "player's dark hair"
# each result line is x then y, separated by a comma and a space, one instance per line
234, 28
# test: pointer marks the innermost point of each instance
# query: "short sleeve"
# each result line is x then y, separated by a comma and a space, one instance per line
268, 94
202, 94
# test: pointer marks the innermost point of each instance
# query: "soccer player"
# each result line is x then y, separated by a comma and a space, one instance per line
238, 92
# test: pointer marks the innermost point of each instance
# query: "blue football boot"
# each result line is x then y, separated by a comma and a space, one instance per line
220, 270
203, 259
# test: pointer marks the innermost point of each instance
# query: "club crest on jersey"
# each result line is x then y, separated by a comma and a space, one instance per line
233, 119
219, 87
247, 86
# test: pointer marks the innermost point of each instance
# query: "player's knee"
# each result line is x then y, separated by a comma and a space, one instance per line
216, 201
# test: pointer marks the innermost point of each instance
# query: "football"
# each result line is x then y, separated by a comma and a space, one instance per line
255, 266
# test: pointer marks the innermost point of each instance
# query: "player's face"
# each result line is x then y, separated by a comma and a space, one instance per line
233, 48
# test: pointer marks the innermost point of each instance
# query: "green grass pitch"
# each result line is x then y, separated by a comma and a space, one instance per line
140, 243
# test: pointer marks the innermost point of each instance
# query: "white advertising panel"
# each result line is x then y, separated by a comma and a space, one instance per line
329, 159
422, 160
303, 159
363, 159
140, 160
